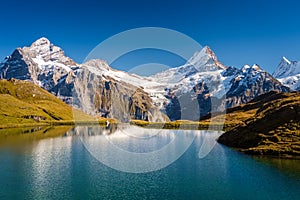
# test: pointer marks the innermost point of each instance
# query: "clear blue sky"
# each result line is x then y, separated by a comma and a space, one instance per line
240, 32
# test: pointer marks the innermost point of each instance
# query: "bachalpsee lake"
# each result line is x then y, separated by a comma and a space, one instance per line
129, 162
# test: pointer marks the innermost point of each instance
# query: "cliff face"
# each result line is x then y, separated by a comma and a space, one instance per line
108, 97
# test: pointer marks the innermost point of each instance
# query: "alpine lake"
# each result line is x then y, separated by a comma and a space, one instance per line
130, 162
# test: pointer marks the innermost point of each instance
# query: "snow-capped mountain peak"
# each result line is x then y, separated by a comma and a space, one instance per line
248, 69
43, 48
44, 51
42, 63
288, 73
41, 42
287, 68
205, 60
256, 67
204, 53
282, 68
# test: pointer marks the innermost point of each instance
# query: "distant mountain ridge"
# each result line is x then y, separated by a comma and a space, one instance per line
97, 89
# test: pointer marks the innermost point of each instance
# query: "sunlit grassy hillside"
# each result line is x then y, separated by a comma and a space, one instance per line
23, 103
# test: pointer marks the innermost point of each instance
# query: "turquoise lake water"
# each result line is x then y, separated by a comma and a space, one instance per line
70, 167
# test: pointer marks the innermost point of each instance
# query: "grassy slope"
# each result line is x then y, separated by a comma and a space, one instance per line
23, 103
270, 124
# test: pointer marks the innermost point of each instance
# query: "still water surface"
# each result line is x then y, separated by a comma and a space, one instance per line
63, 163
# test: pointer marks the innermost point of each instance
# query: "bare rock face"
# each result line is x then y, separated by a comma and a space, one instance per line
107, 97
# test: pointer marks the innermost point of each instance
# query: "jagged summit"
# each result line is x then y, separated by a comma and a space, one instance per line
282, 68
42, 62
42, 46
288, 73
254, 67
41, 42
205, 51
287, 68
205, 60
45, 51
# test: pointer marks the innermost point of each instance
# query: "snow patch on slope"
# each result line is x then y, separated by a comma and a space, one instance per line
44, 65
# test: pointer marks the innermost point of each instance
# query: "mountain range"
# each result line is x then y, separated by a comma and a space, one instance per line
201, 86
